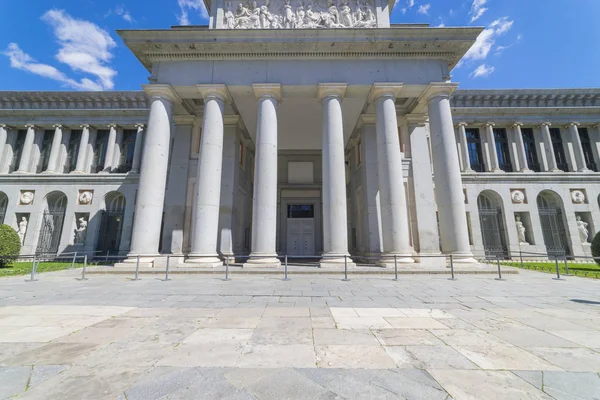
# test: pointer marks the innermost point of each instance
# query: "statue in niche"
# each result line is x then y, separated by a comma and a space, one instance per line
81, 231
582, 227
521, 231
22, 229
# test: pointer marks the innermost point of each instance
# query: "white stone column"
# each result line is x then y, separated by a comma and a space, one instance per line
83, 149
577, 147
521, 155
491, 144
110, 148
55, 149
3, 140
264, 203
394, 213
448, 182
335, 214
150, 200
549, 149
205, 225
27, 150
137, 151
464, 147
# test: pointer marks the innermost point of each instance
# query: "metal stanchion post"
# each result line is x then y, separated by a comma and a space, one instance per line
137, 269
226, 269
452, 268
345, 269
73, 262
499, 278
558, 278
83, 278
521, 257
33, 268
395, 267
566, 267
285, 266
167, 270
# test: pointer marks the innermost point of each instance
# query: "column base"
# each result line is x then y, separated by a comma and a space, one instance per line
263, 261
21, 172
336, 261
77, 172
526, 170
462, 258
388, 260
50, 172
200, 261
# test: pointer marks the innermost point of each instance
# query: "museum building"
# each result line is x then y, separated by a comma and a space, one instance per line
314, 129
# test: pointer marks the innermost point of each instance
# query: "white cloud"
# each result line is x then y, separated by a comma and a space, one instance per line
478, 9
123, 13
483, 71
23, 61
84, 47
186, 5
424, 9
487, 39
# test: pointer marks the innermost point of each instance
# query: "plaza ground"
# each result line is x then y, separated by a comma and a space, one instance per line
314, 337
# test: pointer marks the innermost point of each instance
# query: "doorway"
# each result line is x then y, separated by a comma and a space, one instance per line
111, 225
52, 224
492, 225
301, 229
552, 221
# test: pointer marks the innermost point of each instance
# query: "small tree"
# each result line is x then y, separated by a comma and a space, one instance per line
596, 248
10, 245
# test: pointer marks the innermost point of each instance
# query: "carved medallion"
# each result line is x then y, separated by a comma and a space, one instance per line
85, 197
26, 197
577, 196
517, 196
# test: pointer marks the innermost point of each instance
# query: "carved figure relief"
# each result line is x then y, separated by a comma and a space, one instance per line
301, 15
517, 196
85, 197
578, 196
26, 198
582, 227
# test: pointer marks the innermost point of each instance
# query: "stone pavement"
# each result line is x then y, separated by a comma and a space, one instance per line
314, 337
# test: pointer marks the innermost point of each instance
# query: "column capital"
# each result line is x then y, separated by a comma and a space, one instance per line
517, 124
140, 126
367, 119
438, 89
57, 126
84, 126
416, 119
489, 125
162, 91
331, 89
112, 126
547, 124
380, 89
267, 90
178, 119
4, 126
30, 126
462, 124
575, 124
219, 91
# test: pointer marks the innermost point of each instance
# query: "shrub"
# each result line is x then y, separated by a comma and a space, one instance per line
10, 245
596, 248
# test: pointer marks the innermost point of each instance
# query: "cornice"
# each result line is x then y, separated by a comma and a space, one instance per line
449, 44
72, 100
524, 98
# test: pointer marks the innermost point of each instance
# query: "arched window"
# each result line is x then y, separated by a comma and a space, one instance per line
492, 224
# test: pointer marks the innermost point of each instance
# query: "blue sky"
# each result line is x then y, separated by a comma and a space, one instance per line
72, 44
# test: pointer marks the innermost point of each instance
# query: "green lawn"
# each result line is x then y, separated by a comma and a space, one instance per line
588, 270
24, 268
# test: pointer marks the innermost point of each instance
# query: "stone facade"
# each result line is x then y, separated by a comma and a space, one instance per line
344, 144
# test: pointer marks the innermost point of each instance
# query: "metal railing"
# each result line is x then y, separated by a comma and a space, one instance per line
393, 265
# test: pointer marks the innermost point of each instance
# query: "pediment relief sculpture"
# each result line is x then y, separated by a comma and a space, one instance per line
311, 14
